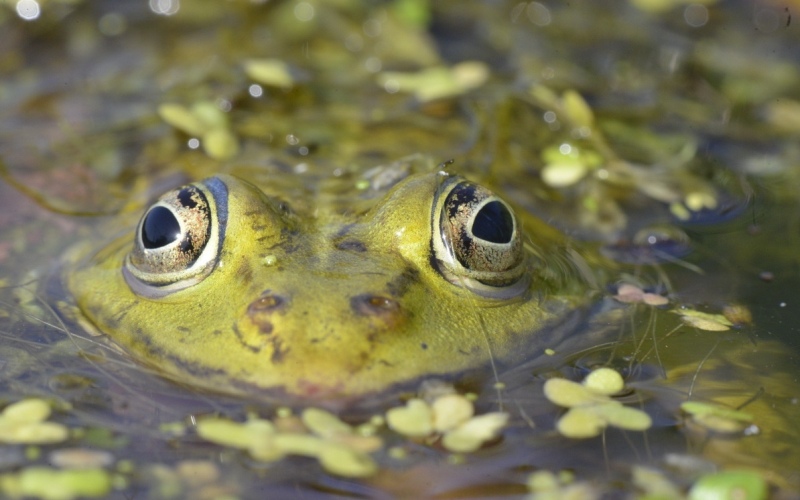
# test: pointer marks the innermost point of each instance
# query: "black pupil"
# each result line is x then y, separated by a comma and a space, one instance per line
160, 228
494, 223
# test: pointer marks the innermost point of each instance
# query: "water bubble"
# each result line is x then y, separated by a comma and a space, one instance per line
354, 42
304, 11
372, 28
373, 64
391, 86
695, 15
165, 7
28, 9
112, 24
255, 90
538, 14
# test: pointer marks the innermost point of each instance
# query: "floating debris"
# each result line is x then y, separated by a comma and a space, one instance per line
704, 321
632, 294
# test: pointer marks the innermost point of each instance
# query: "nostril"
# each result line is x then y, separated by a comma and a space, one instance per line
267, 302
370, 305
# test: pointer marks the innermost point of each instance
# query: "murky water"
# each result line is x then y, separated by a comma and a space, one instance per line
692, 134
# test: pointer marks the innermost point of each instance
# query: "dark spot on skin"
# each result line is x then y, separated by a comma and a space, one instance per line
263, 325
373, 305
183, 329
343, 231
424, 345
351, 245
195, 369
400, 284
216, 332
245, 272
278, 351
241, 339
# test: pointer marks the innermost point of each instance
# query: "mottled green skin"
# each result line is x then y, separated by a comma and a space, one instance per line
346, 305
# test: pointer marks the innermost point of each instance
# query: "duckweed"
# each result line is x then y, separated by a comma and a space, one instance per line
334, 443
437, 82
591, 409
717, 418
415, 419
206, 121
23, 423
53, 484
450, 415
272, 72
733, 484
545, 485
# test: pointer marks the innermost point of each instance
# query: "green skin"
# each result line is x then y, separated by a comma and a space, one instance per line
330, 306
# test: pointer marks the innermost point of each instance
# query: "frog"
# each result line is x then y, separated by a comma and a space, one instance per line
224, 287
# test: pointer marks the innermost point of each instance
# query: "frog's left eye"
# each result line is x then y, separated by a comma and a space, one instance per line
476, 240
177, 241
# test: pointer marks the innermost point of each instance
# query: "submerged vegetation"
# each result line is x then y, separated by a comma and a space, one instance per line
660, 133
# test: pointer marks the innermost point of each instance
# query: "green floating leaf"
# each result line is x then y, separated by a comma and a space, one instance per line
717, 418
623, 417
450, 411
346, 462
220, 144
604, 381
563, 174
52, 484
182, 119
704, 321
324, 423
576, 109
567, 393
415, 419
272, 72
744, 484
473, 433
27, 410
580, 423
235, 434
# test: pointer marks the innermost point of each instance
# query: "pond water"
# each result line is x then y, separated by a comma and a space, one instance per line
659, 136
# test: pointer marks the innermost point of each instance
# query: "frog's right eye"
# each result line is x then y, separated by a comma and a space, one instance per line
178, 239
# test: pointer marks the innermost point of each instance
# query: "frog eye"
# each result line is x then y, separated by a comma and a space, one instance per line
177, 241
476, 240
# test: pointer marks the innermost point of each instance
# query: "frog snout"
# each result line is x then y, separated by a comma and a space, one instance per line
300, 322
